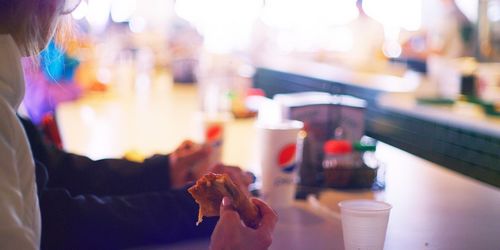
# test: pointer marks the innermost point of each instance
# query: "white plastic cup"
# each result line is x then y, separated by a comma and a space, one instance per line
279, 149
364, 224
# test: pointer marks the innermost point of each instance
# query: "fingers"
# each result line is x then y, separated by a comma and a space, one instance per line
244, 177
249, 177
218, 168
230, 232
190, 152
227, 203
227, 212
188, 146
185, 145
269, 217
240, 178
189, 149
196, 155
186, 162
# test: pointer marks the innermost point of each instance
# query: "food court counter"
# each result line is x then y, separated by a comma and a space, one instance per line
433, 207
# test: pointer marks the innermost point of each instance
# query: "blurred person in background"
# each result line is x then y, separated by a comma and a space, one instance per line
452, 36
36, 212
185, 44
439, 51
367, 40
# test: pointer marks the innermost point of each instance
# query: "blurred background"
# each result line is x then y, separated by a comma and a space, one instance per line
129, 67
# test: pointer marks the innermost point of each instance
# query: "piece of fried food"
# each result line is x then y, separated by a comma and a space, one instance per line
209, 191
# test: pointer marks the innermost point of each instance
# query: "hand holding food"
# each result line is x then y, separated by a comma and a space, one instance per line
209, 191
242, 179
186, 162
230, 233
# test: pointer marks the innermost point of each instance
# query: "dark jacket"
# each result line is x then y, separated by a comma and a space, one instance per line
109, 204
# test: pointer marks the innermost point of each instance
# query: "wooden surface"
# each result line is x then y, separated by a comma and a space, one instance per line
433, 207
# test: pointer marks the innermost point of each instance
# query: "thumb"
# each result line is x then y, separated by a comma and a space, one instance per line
226, 205
196, 154
227, 212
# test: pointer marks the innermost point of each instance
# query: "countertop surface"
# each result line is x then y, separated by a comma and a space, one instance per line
433, 207
388, 79
463, 115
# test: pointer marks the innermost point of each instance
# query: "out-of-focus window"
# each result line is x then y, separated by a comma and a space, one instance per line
139, 14
98, 13
309, 25
308, 14
306, 25
396, 13
225, 24
81, 11
122, 11
469, 8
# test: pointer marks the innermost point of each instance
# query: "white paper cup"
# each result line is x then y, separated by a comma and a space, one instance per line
210, 130
364, 224
278, 150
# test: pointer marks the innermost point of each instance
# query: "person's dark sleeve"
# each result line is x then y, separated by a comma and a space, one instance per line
82, 175
116, 222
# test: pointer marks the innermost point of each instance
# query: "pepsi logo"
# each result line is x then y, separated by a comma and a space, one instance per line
286, 158
213, 133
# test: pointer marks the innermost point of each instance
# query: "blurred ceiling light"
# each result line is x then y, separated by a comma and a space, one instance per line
283, 41
290, 14
137, 24
391, 49
123, 10
469, 8
225, 24
104, 75
404, 14
81, 11
98, 14
340, 39
87, 114
494, 11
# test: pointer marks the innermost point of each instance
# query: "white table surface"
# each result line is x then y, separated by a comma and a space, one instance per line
433, 207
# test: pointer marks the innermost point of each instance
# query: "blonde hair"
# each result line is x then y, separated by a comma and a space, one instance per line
30, 22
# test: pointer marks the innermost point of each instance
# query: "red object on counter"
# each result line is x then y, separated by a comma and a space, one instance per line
337, 147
